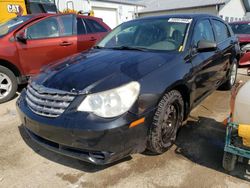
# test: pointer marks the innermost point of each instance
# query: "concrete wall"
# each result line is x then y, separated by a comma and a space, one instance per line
234, 10
209, 10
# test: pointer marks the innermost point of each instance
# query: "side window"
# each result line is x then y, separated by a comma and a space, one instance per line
47, 28
68, 25
221, 31
203, 31
94, 26
80, 27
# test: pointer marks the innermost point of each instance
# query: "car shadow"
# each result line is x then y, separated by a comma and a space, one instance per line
202, 142
64, 160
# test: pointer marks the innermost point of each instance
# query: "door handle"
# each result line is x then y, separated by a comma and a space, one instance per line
93, 39
66, 43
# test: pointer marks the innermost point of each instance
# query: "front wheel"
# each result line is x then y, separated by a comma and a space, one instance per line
231, 77
167, 119
8, 84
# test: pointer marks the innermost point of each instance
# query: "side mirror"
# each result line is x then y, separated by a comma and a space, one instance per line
21, 37
206, 46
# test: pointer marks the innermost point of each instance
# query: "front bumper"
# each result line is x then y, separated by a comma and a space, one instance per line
84, 136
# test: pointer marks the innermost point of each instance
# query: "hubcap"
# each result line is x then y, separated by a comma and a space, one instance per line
169, 125
233, 74
5, 85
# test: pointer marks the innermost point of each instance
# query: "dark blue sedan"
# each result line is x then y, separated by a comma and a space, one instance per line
133, 90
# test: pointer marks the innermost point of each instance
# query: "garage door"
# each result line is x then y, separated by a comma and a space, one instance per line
108, 15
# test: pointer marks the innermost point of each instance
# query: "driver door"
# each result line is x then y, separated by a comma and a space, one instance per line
47, 40
205, 64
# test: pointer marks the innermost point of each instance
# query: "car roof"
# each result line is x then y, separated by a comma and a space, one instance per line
189, 16
42, 15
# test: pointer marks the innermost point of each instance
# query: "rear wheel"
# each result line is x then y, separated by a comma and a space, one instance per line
167, 119
231, 77
8, 84
229, 161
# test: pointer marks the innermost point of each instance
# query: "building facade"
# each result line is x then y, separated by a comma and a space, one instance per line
229, 10
113, 12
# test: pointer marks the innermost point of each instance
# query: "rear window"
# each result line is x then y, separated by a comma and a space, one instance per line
240, 28
11, 25
94, 26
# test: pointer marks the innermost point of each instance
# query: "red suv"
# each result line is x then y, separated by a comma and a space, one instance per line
29, 42
242, 30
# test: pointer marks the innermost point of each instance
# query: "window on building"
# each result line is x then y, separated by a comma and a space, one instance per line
221, 31
227, 19
203, 31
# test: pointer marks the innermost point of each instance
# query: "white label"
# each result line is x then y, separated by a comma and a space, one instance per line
180, 20
13, 8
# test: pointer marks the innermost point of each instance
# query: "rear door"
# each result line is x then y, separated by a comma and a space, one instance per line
89, 32
225, 46
205, 63
48, 40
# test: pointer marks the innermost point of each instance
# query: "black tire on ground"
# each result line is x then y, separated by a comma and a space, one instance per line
166, 121
229, 161
233, 72
5, 72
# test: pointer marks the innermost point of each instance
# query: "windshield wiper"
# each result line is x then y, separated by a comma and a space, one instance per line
130, 48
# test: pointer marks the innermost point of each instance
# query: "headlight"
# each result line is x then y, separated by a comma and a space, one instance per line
113, 102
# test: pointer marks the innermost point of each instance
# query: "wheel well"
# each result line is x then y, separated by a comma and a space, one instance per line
10, 66
183, 89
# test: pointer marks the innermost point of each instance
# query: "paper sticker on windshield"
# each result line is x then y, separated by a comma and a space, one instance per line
180, 20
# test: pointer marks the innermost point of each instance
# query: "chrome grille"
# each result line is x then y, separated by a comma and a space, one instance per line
48, 102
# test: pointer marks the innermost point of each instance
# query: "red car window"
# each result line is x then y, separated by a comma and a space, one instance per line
47, 28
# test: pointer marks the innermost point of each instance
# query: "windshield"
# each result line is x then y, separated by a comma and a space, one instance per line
166, 34
7, 27
241, 28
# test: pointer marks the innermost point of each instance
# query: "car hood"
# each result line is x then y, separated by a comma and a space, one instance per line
99, 70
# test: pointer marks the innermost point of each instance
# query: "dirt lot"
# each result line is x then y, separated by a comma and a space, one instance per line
195, 160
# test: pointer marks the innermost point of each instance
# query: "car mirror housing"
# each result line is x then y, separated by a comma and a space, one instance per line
21, 37
206, 46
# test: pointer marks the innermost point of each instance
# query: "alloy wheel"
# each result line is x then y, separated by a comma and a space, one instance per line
5, 85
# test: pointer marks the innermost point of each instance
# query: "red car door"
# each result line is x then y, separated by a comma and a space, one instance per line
89, 31
84, 40
48, 40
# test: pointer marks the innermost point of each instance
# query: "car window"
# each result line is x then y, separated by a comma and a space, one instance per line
47, 28
68, 24
94, 26
10, 25
221, 31
203, 31
80, 27
240, 28
166, 34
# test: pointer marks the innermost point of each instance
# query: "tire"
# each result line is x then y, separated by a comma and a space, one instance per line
231, 77
229, 161
166, 121
8, 84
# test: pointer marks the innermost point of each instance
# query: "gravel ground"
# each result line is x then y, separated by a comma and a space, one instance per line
194, 161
